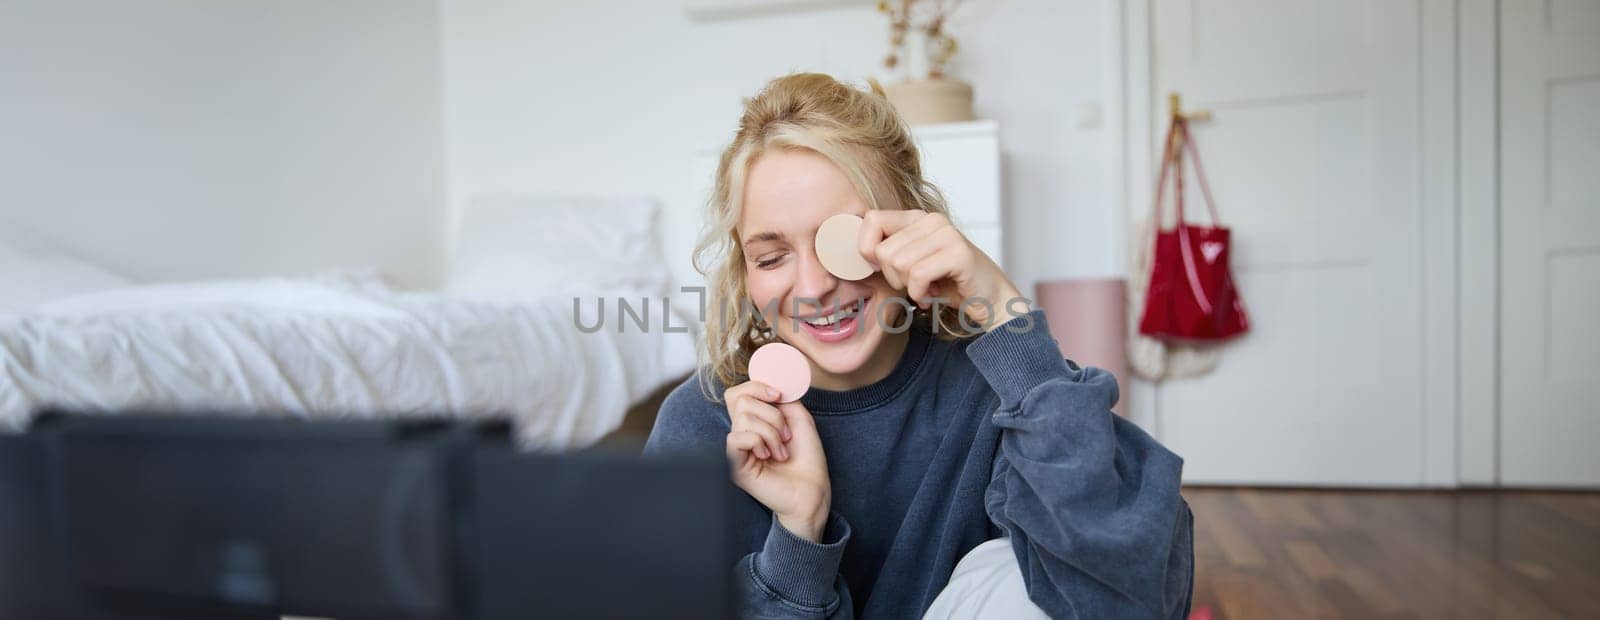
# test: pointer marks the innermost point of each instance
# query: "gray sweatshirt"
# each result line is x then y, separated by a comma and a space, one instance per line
963, 442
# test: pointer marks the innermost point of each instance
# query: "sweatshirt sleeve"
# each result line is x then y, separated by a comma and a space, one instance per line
789, 577
1090, 501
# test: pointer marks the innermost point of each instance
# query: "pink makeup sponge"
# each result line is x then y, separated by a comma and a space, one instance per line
836, 247
784, 368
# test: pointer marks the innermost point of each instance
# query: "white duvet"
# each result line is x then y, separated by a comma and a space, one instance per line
336, 347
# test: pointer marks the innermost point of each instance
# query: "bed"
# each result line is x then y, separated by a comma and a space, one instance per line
501, 338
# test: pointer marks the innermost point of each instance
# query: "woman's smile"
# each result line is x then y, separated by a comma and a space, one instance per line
836, 326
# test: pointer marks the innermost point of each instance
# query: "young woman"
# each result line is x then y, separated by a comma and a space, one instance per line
913, 446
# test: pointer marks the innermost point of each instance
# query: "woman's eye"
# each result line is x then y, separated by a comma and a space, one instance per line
765, 263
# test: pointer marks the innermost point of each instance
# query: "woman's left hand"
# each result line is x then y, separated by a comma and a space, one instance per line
923, 254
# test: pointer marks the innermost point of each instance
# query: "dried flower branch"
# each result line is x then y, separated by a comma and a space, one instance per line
931, 22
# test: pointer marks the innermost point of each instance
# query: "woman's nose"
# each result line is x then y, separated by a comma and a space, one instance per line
813, 283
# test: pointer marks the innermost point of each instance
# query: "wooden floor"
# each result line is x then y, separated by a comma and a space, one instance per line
1393, 554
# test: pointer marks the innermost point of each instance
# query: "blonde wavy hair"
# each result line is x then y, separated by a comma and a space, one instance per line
860, 132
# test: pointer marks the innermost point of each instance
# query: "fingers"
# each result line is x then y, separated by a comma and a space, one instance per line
765, 413
891, 254
749, 410
946, 261
740, 445
758, 390
880, 223
808, 457
757, 400
914, 258
906, 254
772, 442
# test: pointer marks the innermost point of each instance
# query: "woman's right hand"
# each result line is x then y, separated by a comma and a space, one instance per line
777, 458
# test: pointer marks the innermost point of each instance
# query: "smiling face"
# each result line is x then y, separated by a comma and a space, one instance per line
835, 322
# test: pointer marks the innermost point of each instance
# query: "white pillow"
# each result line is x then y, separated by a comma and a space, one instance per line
30, 278
517, 247
319, 296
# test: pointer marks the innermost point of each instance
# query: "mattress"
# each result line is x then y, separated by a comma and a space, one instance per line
339, 346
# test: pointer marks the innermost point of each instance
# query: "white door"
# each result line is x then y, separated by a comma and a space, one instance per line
1550, 242
1313, 154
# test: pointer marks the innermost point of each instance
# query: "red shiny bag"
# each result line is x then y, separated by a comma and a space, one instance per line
1191, 297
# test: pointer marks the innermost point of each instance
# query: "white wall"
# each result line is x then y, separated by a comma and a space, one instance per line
616, 96
173, 139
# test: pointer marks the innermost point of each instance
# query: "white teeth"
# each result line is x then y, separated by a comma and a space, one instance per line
823, 321
831, 319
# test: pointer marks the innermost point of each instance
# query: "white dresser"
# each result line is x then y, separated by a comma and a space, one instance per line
962, 159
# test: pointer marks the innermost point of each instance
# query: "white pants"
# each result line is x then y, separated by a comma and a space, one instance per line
987, 583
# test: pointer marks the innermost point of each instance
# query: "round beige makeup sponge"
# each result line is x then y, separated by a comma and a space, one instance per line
836, 247
782, 367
